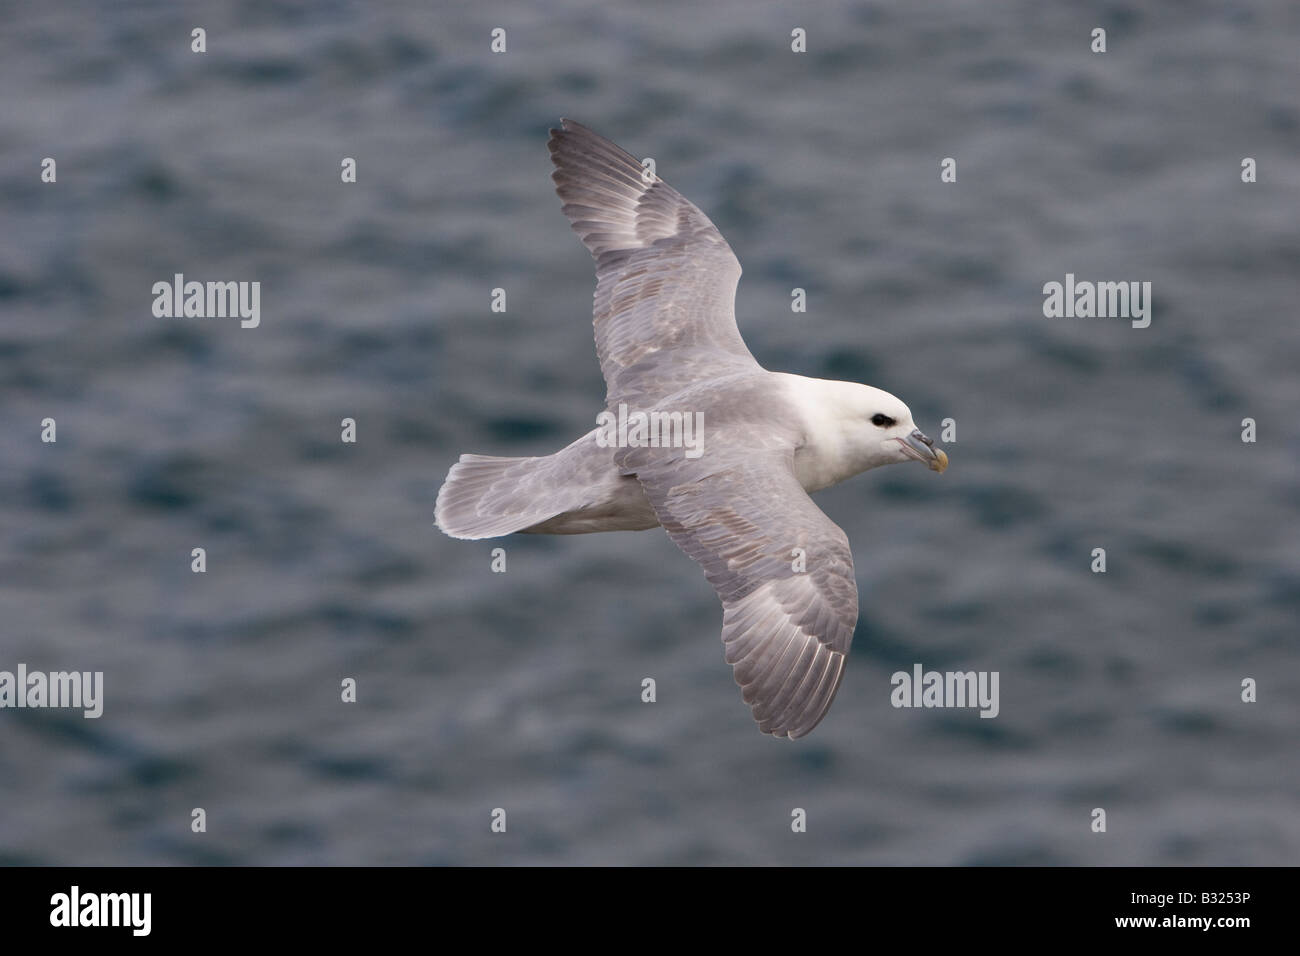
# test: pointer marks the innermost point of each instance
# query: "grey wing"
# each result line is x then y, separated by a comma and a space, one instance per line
664, 306
786, 632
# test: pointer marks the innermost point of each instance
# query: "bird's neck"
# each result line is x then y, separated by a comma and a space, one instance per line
832, 449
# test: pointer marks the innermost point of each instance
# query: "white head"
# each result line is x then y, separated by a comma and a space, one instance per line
852, 427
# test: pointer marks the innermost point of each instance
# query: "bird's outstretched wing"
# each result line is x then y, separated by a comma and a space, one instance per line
664, 307
783, 570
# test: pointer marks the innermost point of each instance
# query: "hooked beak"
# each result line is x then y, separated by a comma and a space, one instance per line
917, 445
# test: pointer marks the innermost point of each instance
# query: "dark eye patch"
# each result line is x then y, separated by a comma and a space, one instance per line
884, 421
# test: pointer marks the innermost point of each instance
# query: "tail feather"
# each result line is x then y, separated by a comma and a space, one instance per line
486, 497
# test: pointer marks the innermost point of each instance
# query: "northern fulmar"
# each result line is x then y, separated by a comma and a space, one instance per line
734, 497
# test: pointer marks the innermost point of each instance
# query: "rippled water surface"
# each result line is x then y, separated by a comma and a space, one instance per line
522, 690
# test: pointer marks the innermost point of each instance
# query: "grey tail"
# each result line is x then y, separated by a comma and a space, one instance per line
486, 497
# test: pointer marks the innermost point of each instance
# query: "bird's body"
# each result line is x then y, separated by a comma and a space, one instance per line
734, 499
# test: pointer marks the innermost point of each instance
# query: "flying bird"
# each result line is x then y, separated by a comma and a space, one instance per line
735, 499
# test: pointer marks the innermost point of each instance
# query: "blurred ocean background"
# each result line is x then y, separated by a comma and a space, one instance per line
522, 690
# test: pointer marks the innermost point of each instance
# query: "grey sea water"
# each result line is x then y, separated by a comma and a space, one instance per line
522, 690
